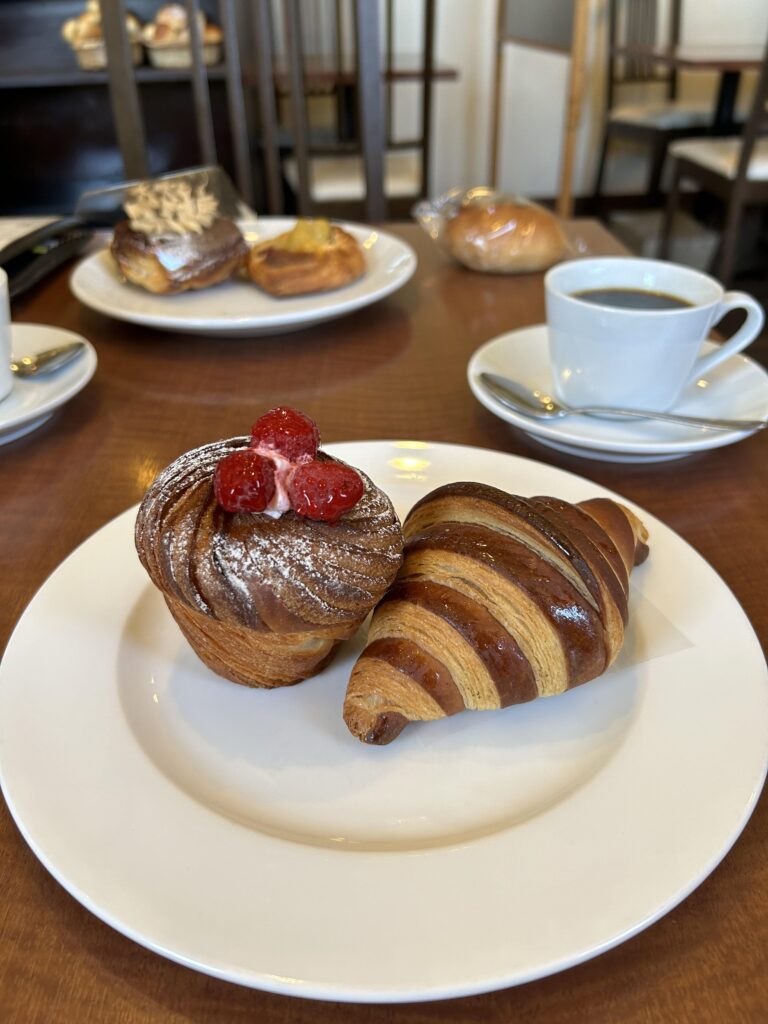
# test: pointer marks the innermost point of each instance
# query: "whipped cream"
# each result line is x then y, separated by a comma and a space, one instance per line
284, 470
163, 208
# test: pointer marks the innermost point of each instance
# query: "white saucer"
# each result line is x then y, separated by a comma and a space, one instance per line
33, 400
737, 389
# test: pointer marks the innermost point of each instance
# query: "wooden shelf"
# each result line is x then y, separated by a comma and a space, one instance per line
46, 78
321, 73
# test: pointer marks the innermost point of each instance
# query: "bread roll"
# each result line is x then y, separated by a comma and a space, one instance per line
505, 237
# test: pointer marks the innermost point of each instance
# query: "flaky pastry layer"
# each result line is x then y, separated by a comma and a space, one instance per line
500, 599
262, 600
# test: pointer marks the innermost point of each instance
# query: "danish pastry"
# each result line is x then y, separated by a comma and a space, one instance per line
500, 600
174, 239
267, 551
315, 256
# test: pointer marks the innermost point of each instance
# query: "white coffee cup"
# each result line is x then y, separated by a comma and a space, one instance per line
6, 377
602, 354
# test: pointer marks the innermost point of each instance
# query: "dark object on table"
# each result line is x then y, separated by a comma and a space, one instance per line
26, 260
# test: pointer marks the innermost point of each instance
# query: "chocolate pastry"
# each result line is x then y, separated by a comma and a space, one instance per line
174, 240
264, 598
500, 600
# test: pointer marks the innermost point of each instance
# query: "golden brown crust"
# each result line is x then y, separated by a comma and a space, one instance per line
251, 658
505, 238
263, 601
179, 263
500, 600
283, 272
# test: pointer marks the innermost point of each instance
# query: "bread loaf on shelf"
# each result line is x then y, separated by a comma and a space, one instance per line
500, 599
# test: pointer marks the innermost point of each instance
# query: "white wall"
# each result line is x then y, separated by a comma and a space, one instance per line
534, 89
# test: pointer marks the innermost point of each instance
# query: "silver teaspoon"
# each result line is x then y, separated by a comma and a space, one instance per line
542, 406
48, 361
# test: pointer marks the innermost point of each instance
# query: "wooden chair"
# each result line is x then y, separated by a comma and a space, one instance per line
334, 169
634, 24
734, 169
257, 170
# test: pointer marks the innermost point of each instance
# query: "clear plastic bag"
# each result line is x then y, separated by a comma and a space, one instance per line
493, 232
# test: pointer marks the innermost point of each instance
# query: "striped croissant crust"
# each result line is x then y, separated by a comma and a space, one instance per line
263, 601
500, 599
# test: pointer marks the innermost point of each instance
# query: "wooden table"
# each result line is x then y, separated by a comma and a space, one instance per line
729, 60
396, 369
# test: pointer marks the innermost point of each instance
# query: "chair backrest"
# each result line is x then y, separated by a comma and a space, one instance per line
354, 70
635, 25
346, 65
426, 72
256, 169
756, 124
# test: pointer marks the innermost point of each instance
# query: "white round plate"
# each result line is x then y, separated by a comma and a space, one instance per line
737, 389
238, 307
246, 834
33, 400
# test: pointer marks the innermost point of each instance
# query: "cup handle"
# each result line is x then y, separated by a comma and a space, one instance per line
745, 335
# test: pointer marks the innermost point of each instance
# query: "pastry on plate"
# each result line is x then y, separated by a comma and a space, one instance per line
174, 240
314, 256
268, 552
500, 600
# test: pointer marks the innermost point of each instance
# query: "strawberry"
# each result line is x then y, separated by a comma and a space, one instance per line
288, 432
324, 490
244, 481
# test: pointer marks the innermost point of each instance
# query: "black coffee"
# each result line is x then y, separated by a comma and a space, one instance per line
631, 298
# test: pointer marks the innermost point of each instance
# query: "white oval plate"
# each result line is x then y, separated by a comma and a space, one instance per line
239, 307
33, 400
246, 834
737, 389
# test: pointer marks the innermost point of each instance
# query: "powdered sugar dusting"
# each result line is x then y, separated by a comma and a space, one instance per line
283, 574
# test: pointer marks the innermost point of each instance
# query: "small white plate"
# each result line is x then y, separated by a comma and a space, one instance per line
33, 400
737, 389
246, 834
239, 307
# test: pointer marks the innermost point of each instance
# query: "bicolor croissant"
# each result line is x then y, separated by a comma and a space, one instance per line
500, 599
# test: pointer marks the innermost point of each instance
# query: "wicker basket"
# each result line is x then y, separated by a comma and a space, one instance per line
181, 56
92, 56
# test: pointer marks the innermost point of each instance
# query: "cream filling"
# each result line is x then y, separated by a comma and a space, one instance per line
163, 208
284, 470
